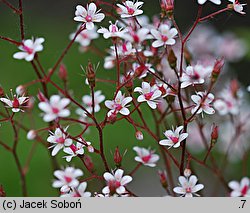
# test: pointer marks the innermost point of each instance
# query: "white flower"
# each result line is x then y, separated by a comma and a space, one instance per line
67, 179
146, 156
116, 182
88, 16
73, 150
143, 69
238, 7
59, 140
138, 36
16, 103
214, 1
174, 137
98, 98
148, 94
85, 37
189, 186
29, 48
55, 108
113, 31
118, 105
203, 102
78, 192
164, 36
241, 189
130, 9
195, 75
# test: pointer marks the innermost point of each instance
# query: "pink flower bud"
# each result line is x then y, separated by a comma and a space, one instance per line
41, 97
90, 148
163, 178
217, 69
187, 172
31, 135
117, 157
215, 133
88, 162
139, 135
234, 85
20, 90
63, 73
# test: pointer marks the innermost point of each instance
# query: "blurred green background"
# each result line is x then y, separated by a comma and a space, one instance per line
53, 20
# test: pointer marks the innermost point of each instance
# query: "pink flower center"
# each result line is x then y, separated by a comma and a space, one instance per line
124, 47
118, 107
60, 140
84, 35
15, 103
146, 158
195, 76
189, 190
148, 95
114, 28
67, 179
113, 185
27, 49
174, 139
88, 18
162, 89
73, 148
244, 190
136, 38
164, 38
55, 110
130, 10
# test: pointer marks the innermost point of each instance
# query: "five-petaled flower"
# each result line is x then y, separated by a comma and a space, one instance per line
113, 31
238, 7
67, 179
203, 103
195, 75
118, 105
148, 94
146, 156
16, 103
29, 48
88, 16
174, 137
130, 9
116, 182
218, 2
188, 186
241, 189
59, 140
164, 36
98, 98
54, 108
79, 191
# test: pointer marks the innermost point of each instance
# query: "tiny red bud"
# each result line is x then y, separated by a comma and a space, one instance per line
90, 73
112, 118
2, 192
163, 178
214, 134
234, 86
172, 59
1, 92
167, 7
187, 172
139, 135
41, 97
63, 73
88, 162
117, 157
139, 70
217, 69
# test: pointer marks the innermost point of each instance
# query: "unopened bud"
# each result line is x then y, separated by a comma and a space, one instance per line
112, 118
117, 157
217, 69
88, 162
139, 70
1, 92
63, 73
214, 134
234, 86
172, 59
187, 172
31, 135
20, 90
163, 178
90, 73
167, 7
90, 148
2, 192
187, 56
41, 97
139, 135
